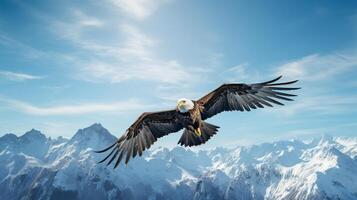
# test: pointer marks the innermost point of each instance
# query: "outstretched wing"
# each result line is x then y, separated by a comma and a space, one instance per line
141, 135
244, 97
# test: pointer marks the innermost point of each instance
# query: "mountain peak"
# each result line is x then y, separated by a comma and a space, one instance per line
325, 139
33, 134
96, 126
93, 134
9, 137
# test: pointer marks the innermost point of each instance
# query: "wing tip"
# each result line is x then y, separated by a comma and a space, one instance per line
272, 81
106, 149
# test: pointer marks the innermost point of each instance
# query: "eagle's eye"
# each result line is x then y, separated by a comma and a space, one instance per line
184, 101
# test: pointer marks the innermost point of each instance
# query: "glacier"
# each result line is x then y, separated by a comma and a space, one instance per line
34, 166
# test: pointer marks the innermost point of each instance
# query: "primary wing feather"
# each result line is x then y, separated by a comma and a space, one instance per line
244, 97
141, 135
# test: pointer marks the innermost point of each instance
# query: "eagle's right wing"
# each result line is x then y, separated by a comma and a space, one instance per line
142, 134
244, 97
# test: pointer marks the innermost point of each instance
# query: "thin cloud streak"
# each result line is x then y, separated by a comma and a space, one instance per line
20, 48
75, 109
242, 73
138, 9
73, 30
321, 105
14, 76
318, 67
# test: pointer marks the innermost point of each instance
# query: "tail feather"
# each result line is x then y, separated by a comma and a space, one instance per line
189, 138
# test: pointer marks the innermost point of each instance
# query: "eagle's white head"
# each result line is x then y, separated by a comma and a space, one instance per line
184, 105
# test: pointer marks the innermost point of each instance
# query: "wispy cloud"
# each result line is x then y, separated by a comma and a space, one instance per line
14, 76
318, 67
138, 9
241, 73
15, 46
127, 54
165, 93
132, 56
73, 30
83, 108
320, 104
239, 70
317, 74
134, 59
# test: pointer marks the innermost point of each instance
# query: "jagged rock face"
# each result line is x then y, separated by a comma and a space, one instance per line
33, 166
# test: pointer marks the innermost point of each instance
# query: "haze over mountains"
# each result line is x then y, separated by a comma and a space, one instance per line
34, 166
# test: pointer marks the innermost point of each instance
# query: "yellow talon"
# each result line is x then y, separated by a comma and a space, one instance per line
198, 132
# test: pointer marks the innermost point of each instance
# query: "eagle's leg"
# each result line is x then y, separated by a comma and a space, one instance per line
198, 131
197, 128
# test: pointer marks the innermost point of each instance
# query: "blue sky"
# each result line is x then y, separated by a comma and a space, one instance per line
65, 65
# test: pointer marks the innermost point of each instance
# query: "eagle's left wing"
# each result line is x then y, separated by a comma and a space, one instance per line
244, 97
142, 134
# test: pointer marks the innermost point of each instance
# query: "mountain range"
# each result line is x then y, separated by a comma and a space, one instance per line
34, 166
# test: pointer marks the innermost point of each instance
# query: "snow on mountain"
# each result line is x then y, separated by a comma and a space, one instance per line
34, 166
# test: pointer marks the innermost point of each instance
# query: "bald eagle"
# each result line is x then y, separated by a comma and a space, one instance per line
190, 115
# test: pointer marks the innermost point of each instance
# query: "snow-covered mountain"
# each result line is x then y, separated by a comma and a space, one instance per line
34, 166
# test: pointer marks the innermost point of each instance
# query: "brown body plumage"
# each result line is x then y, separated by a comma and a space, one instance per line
190, 115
